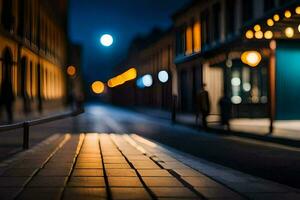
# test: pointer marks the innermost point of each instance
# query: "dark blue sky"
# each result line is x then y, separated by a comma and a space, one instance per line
124, 19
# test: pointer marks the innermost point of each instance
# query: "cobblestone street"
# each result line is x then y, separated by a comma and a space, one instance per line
123, 166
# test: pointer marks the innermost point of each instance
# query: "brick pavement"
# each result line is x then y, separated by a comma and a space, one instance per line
111, 166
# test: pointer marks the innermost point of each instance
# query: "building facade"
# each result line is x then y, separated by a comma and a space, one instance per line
33, 49
213, 37
242, 52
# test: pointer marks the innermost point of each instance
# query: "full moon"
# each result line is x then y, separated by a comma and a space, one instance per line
106, 40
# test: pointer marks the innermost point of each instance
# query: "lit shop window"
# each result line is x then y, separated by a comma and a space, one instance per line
197, 37
189, 41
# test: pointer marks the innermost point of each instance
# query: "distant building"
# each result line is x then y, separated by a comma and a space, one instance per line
150, 55
33, 51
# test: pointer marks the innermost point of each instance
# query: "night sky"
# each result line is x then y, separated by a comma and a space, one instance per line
124, 19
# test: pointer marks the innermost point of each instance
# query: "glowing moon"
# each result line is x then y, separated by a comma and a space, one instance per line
106, 40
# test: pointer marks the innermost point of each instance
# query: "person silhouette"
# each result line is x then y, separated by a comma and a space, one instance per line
7, 99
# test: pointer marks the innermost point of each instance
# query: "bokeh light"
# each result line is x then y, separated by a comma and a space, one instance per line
71, 70
147, 80
98, 87
163, 76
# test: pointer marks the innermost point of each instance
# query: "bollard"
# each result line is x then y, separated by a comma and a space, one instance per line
26, 135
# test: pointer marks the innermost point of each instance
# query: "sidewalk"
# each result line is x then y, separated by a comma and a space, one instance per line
110, 166
286, 132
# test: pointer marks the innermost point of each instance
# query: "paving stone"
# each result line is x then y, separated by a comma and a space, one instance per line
130, 194
201, 182
61, 165
9, 193
87, 172
115, 160
59, 171
88, 155
26, 172
41, 193
89, 160
85, 193
13, 181
179, 192
138, 158
145, 165
188, 172
117, 166
222, 192
154, 172
120, 172
88, 166
124, 182
174, 165
162, 182
47, 182
87, 182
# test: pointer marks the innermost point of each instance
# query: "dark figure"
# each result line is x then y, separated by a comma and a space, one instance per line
225, 108
203, 105
7, 99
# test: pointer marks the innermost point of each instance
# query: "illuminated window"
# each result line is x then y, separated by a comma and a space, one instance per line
197, 37
189, 41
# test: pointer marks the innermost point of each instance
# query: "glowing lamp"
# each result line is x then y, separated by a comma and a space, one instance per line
270, 22
249, 34
289, 32
276, 17
287, 14
98, 87
297, 10
268, 35
259, 35
163, 76
299, 27
71, 71
257, 27
251, 58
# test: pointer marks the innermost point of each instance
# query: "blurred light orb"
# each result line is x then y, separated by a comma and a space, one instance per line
71, 70
106, 40
236, 99
289, 32
268, 35
247, 87
251, 58
249, 34
270, 22
163, 76
98, 87
276, 17
147, 80
236, 81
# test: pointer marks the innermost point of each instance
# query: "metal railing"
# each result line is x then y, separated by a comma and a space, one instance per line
25, 125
